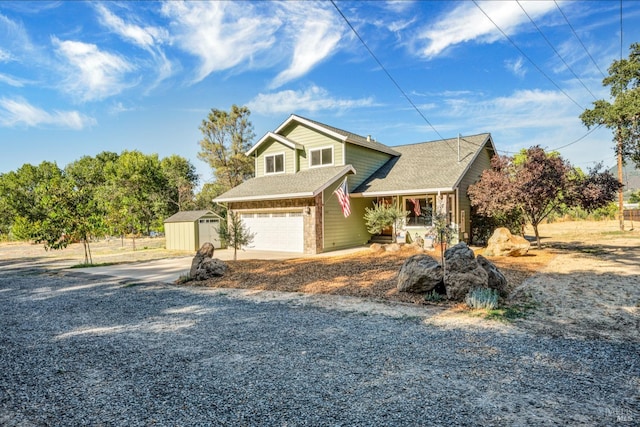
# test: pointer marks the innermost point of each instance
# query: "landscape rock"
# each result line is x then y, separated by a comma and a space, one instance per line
462, 272
376, 247
204, 253
392, 247
419, 274
497, 280
210, 268
503, 243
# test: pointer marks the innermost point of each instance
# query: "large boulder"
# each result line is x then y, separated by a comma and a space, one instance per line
462, 272
419, 274
210, 268
497, 280
503, 243
204, 266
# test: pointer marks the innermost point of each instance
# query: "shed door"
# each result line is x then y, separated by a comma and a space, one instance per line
208, 232
278, 231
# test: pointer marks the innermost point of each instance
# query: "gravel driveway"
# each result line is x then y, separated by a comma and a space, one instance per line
82, 351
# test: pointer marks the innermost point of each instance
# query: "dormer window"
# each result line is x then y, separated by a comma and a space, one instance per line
274, 163
321, 157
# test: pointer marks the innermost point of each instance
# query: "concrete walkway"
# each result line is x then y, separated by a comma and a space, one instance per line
169, 270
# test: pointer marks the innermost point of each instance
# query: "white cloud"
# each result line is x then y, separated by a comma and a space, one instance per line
312, 100
144, 37
221, 34
19, 112
455, 26
93, 74
11, 81
315, 32
516, 67
5, 56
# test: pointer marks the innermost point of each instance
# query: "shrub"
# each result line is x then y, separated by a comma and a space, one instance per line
482, 298
434, 296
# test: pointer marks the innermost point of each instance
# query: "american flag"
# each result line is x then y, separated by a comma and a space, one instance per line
416, 206
342, 193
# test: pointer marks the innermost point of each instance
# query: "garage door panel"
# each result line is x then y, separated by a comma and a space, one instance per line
282, 231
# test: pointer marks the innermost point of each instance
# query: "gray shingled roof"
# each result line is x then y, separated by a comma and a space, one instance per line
305, 183
424, 166
357, 139
188, 216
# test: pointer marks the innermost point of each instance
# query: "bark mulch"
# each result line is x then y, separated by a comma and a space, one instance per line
363, 274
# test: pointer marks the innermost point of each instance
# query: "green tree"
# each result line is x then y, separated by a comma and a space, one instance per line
226, 138
234, 233
538, 184
622, 115
182, 179
134, 193
635, 197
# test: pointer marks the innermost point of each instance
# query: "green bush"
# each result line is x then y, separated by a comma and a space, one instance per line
482, 298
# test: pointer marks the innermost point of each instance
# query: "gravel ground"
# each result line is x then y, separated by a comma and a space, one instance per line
79, 352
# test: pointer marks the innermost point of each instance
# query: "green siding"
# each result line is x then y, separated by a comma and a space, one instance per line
274, 147
181, 236
341, 232
312, 139
482, 162
365, 161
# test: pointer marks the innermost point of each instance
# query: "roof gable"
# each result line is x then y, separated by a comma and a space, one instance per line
190, 216
338, 134
274, 136
426, 166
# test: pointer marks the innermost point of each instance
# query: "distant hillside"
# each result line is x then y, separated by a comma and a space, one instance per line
630, 178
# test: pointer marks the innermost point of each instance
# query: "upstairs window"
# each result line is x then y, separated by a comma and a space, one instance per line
321, 157
274, 163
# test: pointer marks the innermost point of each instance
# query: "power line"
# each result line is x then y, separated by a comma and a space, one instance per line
389, 74
579, 40
527, 57
554, 49
578, 140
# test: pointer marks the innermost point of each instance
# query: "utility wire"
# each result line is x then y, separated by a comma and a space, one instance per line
554, 49
389, 74
579, 40
579, 139
527, 57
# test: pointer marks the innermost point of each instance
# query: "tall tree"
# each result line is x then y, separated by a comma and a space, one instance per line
226, 138
538, 183
181, 180
622, 115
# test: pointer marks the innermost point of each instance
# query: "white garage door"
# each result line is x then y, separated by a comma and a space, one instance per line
281, 231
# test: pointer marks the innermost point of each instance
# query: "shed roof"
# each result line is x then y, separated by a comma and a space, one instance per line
426, 166
307, 183
189, 216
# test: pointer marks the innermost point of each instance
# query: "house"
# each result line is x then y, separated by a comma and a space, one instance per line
291, 206
188, 230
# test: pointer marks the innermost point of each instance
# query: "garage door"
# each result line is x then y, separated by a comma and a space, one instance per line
281, 231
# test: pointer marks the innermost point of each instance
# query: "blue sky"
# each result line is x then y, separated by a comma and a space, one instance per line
78, 78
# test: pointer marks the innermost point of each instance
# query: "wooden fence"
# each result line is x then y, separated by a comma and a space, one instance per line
632, 214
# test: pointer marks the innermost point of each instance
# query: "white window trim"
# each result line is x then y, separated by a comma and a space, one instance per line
333, 157
284, 163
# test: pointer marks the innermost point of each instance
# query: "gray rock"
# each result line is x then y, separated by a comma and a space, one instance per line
497, 280
419, 274
462, 272
392, 247
210, 268
503, 243
204, 254
376, 247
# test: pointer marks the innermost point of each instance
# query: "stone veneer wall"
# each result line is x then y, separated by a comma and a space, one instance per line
312, 216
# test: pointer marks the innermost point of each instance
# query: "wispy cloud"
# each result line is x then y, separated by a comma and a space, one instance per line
16, 112
11, 81
313, 99
93, 74
453, 28
516, 66
221, 34
5, 56
147, 37
315, 33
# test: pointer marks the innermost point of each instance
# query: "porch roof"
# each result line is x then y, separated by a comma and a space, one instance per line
307, 183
